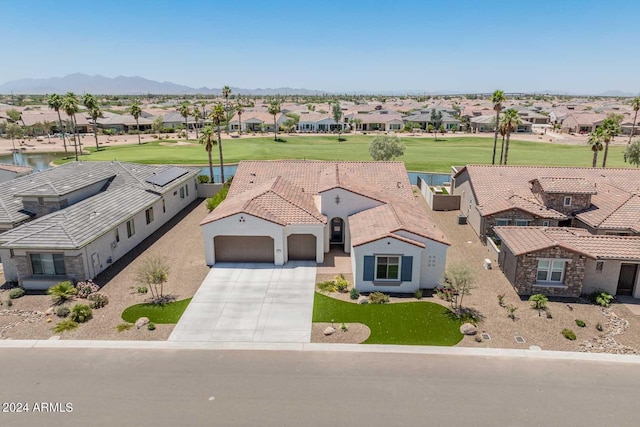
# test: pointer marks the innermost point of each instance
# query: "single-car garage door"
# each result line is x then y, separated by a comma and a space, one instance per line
243, 248
301, 247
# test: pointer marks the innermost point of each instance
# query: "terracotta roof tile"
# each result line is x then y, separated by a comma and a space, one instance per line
566, 185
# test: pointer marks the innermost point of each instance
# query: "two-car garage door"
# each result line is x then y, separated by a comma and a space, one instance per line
261, 248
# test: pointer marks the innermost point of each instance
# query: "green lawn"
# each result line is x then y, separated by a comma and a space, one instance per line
168, 313
414, 323
422, 154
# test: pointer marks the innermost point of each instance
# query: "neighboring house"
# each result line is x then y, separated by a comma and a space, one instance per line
284, 210
582, 122
483, 123
33, 120
569, 261
602, 201
557, 115
627, 125
9, 172
532, 117
257, 121
123, 122
72, 222
175, 120
424, 118
378, 121
315, 122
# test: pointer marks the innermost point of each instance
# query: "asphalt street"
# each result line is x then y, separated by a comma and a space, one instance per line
137, 387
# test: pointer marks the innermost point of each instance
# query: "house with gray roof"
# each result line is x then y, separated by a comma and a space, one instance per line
424, 118
74, 221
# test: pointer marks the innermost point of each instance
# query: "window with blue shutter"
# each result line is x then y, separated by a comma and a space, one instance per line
407, 268
369, 268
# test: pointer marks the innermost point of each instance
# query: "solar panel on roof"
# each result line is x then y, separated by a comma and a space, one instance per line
165, 177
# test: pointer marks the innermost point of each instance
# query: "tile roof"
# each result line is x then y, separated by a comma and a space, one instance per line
566, 185
615, 187
522, 240
526, 204
281, 191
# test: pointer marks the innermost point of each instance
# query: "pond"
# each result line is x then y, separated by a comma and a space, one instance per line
41, 161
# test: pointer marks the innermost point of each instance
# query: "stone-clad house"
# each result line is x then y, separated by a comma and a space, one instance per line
73, 221
567, 261
568, 221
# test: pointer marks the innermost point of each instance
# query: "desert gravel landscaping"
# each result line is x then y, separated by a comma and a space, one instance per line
179, 242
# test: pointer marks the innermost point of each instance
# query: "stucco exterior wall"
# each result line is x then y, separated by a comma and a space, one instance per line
350, 203
462, 188
433, 260
386, 246
606, 279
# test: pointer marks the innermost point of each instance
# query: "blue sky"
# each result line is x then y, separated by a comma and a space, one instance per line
465, 45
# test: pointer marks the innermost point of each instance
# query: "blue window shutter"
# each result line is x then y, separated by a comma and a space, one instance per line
369, 268
407, 268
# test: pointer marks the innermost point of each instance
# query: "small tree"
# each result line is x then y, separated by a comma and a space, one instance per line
14, 131
539, 302
14, 115
154, 272
459, 277
632, 154
385, 148
336, 112
157, 124
274, 110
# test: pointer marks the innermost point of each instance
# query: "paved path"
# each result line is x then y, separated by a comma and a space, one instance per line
251, 303
280, 388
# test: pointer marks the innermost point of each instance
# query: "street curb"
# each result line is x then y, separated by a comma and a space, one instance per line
315, 347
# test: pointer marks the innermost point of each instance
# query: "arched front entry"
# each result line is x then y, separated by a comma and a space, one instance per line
336, 231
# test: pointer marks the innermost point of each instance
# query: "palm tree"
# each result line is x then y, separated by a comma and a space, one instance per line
274, 109
595, 141
635, 104
503, 132
510, 120
239, 110
136, 112
184, 111
70, 106
217, 114
497, 99
354, 123
197, 115
226, 92
205, 138
336, 112
91, 102
55, 103
610, 127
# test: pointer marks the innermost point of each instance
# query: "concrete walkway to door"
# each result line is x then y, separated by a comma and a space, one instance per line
251, 303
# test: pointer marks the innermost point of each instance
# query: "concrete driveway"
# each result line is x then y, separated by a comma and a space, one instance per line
251, 303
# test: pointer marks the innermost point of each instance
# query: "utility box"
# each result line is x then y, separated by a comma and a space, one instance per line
487, 264
462, 219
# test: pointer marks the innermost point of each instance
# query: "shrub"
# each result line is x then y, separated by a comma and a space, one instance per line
151, 326
9, 303
124, 327
62, 292
599, 326
65, 325
601, 298
539, 301
327, 286
580, 323
354, 294
501, 302
62, 311
343, 327
98, 300
203, 179
142, 289
569, 334
478, 338
81, 313
218, 198
86, 288
512, 312
16, 293
341, 283
418, 293
378, 298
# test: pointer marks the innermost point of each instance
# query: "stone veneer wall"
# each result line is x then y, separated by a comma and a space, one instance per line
527, 268
74, 267
513, 214
556, 200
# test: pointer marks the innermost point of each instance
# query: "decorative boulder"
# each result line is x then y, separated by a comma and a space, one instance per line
49, 311
468, 329
329, 330
142, 322
363, 300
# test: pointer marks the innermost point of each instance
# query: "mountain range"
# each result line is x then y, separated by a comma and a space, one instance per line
122, 85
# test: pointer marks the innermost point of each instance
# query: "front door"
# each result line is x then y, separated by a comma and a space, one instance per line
628, 274
337, 231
